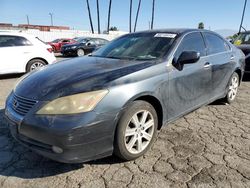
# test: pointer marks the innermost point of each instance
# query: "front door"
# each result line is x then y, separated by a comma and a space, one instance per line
190, 87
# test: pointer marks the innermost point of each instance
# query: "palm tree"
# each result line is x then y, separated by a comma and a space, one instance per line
90, 19
130, 17
98, 16
137, 14
110, 3
153, 13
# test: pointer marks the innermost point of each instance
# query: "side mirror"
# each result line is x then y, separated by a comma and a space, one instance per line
89, 43
186, 57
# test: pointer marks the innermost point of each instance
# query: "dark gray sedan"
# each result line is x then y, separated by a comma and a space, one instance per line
115, 100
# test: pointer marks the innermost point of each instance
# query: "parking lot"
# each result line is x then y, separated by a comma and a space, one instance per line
207, 148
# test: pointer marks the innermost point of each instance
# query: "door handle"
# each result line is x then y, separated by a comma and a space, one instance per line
207, 65
232, 57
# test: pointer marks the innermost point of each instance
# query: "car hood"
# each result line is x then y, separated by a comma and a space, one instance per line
76, 75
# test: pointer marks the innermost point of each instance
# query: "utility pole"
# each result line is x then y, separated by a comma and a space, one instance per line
243, 15
153, 13
28, 20
137, 14
98, 16
110, 3
130, 17
51, 18
90, 19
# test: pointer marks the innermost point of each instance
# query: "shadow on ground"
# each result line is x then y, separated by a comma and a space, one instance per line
16, 160
10, 76
246, 77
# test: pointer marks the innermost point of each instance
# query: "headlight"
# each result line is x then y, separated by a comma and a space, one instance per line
83, 102
73, 47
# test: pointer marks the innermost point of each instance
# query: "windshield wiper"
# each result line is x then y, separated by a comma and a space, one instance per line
121, 57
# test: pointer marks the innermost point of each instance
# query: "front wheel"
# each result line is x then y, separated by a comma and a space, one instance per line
136, 130
80, 52
233, 88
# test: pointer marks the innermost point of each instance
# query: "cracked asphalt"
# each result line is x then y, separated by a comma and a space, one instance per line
207, 148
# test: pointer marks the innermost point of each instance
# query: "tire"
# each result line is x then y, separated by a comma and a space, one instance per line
34, 64
80, 52
232, 88
136, 142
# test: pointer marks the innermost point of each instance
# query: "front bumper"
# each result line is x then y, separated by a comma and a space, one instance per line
81, 137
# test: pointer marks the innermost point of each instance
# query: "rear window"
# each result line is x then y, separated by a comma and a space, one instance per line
12, 41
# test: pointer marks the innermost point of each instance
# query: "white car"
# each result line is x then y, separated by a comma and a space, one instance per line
23, 53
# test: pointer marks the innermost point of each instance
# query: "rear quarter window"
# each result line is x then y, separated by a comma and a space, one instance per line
12, 41
215, 44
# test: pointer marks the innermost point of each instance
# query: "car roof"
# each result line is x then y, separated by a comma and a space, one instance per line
16, 34
174, 30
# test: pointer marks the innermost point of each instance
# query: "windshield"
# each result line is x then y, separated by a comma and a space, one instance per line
56, 41
243, 38
143, 46
81, 40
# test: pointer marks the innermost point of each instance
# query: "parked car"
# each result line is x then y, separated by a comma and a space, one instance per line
243, 43
115, 100
83, 46
23, 53
58, 43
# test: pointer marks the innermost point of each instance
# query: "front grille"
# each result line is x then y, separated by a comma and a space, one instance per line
22, 105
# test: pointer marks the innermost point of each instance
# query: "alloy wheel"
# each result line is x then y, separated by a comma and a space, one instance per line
233, 88
139, 132
36, 65
80, 52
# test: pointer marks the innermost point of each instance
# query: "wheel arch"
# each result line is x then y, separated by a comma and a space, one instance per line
34, 59
239, 72
156, 105
151, 99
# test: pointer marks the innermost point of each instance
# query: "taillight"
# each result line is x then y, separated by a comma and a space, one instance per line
50, 50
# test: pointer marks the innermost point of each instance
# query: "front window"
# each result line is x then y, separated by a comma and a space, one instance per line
243, 38
143, 46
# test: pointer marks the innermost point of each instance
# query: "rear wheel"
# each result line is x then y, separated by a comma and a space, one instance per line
136, 130
232, 89
80, 52
35, 64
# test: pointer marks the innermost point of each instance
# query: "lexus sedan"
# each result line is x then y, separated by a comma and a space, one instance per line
116, 99
243, 43
83, 46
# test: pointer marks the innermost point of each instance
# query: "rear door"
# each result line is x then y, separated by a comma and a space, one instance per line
222, 60
14, 51
191, 87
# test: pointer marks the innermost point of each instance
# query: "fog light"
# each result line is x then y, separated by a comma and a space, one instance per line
57, 149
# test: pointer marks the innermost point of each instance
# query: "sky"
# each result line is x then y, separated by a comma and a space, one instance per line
216, 14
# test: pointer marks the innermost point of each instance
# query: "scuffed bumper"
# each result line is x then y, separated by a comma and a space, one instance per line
80, 137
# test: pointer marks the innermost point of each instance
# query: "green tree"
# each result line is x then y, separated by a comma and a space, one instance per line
113, 28
201, 25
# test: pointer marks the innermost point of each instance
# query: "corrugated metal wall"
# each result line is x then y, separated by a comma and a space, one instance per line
54, 34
